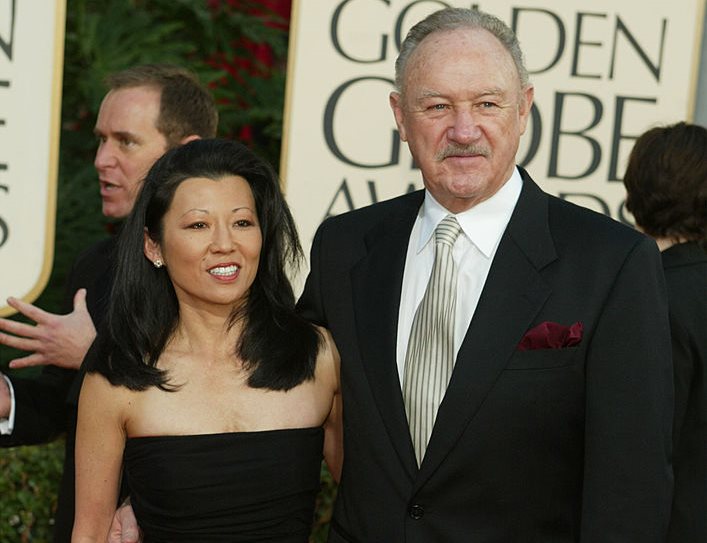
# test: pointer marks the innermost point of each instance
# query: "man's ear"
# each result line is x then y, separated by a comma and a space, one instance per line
190, 137
395, 104
151, 248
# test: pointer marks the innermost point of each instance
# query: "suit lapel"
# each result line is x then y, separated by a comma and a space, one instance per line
377, 283
512, 296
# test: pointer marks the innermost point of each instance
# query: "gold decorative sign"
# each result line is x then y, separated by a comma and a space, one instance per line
31, 65
603, 74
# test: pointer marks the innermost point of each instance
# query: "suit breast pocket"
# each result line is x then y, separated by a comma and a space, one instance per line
544, 359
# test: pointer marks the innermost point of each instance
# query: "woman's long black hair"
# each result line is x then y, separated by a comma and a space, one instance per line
277, 346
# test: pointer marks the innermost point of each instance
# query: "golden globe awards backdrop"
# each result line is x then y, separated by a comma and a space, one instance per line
603, 71
31, 62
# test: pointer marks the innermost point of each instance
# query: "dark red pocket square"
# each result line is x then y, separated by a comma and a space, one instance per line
551, 335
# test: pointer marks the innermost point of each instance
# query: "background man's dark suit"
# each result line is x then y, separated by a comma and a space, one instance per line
685, 267
47, 407
536, 446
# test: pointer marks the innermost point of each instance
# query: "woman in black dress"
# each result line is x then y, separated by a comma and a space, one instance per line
217, 395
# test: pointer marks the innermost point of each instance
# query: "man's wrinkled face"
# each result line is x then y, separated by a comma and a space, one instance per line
462, 111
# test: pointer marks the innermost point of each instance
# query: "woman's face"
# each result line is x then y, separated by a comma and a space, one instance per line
211, 242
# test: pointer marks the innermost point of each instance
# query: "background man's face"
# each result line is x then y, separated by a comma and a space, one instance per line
462, 112
128, 145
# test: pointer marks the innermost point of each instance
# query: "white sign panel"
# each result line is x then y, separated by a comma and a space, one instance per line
604, 72
31, 63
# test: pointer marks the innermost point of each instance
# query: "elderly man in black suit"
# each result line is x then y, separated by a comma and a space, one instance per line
147, 110
538, 406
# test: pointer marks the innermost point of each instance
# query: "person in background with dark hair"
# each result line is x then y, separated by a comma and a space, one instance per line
148, 109
220, 396
666, 185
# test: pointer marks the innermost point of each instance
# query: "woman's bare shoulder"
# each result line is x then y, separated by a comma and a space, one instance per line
99, 396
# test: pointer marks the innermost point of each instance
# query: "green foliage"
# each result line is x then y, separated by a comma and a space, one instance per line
102, 36
30, 477
324, 505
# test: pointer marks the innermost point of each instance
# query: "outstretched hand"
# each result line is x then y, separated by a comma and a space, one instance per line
60, 340
124, 528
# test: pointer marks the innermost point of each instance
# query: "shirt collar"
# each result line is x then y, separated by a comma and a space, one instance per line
483, 224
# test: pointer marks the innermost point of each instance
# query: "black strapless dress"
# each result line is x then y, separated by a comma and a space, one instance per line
232, 487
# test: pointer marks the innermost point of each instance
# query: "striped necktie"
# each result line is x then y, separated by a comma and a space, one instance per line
429, 360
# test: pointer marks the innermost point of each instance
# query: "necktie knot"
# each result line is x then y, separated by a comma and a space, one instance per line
447, 231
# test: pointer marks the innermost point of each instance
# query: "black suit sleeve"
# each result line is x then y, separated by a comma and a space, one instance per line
40, 407
629, 406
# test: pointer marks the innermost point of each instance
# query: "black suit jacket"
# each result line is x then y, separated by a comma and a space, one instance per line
46, 407
538, 446
685, 268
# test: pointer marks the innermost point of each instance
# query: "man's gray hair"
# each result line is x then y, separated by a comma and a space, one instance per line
452, 19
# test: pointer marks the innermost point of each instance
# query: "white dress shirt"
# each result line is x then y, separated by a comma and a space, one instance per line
482, 228
7, 425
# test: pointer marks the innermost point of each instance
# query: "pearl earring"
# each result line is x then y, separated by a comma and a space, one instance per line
158, 263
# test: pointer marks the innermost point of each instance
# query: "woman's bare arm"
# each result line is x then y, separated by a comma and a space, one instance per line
100, 440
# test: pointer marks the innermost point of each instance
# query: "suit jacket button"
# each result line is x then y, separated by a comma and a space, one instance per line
416, 512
